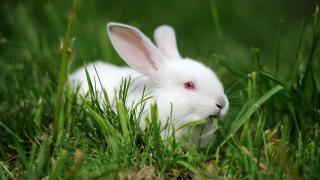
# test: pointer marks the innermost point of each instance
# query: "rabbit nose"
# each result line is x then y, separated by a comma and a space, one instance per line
220, 103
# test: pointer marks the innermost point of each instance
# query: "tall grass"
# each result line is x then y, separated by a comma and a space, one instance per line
49, 131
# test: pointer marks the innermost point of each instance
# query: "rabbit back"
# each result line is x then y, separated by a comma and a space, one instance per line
109, 75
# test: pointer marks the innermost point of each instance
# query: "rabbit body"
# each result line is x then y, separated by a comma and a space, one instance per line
110, 77
185, 90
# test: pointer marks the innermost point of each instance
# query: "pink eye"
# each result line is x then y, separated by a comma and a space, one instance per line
189, 85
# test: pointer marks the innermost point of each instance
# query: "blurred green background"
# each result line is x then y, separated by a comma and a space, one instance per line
203, 27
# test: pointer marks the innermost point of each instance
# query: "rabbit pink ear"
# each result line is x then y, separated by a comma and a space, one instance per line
135, 48
166, 41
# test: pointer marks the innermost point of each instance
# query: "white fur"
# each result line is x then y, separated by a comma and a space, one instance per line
161, 70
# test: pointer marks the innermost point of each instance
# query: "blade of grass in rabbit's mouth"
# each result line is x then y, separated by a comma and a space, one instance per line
196, 122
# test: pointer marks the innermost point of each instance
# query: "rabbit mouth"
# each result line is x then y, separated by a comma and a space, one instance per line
213, 116
217, 115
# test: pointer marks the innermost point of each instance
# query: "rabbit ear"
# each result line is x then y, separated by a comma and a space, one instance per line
135, 48
166, 41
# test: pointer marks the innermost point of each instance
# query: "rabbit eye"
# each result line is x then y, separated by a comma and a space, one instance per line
189, 85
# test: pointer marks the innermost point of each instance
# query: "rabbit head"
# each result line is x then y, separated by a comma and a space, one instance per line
191, 89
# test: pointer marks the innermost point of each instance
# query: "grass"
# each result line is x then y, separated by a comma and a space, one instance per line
271, 132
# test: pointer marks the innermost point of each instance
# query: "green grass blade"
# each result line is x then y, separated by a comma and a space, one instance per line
123, 117
2, 176
192, 123
5, 168
216, 20
22, 153
7, 129
156, 130
91, 89
188, 166
239, 122
104, 125
41, 161
62, 75
61, 163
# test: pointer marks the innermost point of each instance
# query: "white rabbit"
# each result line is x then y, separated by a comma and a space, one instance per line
183, 89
